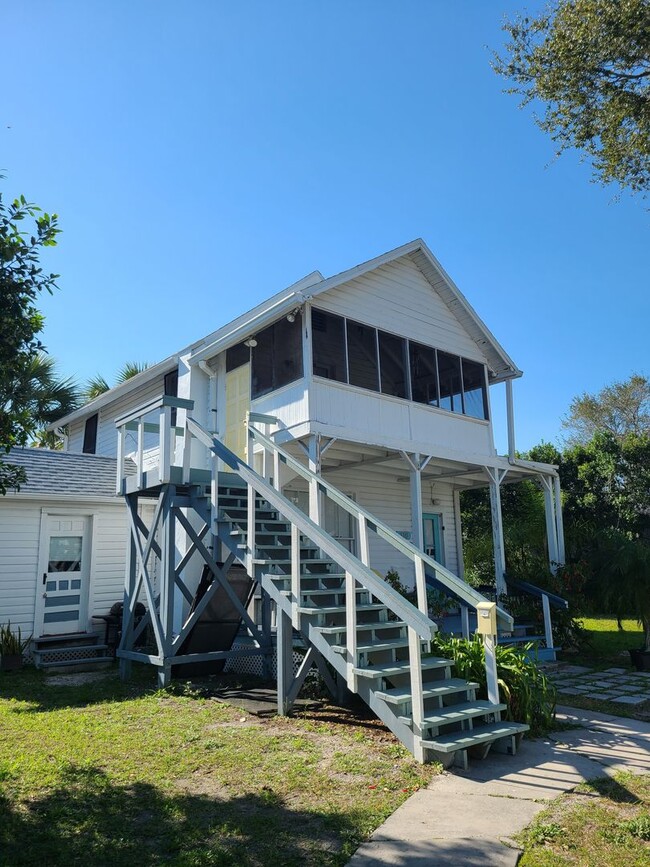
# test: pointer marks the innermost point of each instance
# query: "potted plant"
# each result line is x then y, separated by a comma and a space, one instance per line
12, 647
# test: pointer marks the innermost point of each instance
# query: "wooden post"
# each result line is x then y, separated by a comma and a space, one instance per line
464, 620
559, 521
551, 528
417, 698
266, 634
129, 590
489, 643
167, 584
497, 530
295, 576
313, 453
421, 586
364, 542
250, 527
351, 629
165, 455
458, 526
284, 661
140, 453
510, 412
417, 535
548, 624
119, 483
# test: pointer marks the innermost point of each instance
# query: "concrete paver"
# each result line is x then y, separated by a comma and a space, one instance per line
468, 818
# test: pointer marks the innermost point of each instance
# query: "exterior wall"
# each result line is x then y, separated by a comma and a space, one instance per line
106, 430
20, 538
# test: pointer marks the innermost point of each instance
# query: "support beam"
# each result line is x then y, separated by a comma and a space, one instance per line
417, 534
496, 476
551, 527
458, 529
314, 455
510, 412
284, 661
559, 521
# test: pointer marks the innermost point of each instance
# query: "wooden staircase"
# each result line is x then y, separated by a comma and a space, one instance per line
454, 724
77, 651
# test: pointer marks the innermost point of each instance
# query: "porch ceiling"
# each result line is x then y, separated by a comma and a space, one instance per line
341, 456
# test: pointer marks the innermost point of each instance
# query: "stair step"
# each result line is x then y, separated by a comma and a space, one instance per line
340, 609
391, 669
380, 624
396, 644
450, 686
521, 639
332, 591
458, 712
454, 741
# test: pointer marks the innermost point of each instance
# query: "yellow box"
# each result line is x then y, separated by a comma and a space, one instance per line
486, 613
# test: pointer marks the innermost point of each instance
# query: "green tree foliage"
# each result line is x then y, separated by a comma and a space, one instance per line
618, 409
24, 231
47, 396
98, 385
588, 61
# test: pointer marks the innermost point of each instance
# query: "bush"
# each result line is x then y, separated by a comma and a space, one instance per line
529, 695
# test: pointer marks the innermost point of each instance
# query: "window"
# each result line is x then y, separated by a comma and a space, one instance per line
90, 435
363, 365
424, 382
474, 390
277, 357
328, 345
171, 390
450, 382
393, 364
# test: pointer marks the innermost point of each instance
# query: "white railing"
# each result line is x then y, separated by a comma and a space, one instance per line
161, 409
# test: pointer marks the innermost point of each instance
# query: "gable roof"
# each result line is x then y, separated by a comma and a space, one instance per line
65, 473
501, 365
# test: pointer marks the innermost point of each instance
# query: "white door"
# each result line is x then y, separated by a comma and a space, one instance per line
62, 597
238, 402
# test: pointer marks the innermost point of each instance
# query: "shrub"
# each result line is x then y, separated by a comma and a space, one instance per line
529, 695
12, 643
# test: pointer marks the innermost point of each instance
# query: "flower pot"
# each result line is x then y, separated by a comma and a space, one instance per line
11, 662
640, 659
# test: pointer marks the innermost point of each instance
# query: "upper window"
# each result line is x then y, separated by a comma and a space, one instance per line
363, 364
90, 435
277, 356
328, 341
358, 354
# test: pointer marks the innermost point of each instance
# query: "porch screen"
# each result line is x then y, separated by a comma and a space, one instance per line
277, 357
450, 382
424, 382
474, 389
392, 363
363, 366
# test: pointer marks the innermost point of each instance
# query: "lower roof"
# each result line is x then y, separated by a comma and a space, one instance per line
64, 473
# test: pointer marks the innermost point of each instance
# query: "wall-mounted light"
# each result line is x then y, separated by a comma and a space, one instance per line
291, 317
251, 342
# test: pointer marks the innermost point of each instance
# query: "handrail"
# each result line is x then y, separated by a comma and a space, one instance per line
532, 590
457, 586
414, 618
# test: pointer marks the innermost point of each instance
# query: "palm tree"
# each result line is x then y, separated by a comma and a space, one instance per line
48, 397
98, 385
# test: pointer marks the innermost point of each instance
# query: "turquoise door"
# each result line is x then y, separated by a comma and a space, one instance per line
432, 533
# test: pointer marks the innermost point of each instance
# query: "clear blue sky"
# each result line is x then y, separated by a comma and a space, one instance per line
204, 155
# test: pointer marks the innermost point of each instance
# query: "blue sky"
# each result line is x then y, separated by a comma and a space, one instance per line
203, 155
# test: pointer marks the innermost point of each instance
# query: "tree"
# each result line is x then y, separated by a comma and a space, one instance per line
48, 397
22, 280
98, 385
589, 62
619, 409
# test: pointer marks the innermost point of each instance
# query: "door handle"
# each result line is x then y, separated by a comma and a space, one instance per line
44, 577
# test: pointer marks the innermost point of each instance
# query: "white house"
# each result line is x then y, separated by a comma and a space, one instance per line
377, 380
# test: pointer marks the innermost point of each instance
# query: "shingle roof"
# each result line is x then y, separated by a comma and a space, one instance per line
52, 472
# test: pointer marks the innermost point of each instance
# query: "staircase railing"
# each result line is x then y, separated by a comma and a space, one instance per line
422, 562
548, 600
420, 628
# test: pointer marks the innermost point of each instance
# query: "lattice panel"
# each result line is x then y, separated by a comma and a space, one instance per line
69, 654
255, 664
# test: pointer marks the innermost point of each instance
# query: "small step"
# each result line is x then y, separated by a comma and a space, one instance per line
70, 637
450, 743
458, 712
450, 686
375, 647
392, 669
521, 639
64, 663
79, 648
332, 591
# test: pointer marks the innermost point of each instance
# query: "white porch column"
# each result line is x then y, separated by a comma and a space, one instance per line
496, 476
510, 414
458, 526
559, 522
417, 535
314, 458
551, 527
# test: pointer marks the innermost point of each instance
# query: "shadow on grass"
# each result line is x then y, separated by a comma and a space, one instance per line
90, 820
608, 787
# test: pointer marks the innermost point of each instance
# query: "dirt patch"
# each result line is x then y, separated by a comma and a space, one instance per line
77, 679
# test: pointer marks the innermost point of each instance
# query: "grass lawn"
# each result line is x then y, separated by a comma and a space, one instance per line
107, 773
603, 822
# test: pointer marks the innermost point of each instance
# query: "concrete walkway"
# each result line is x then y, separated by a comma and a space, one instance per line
468, 818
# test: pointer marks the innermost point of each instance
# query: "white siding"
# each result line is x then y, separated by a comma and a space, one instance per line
106, 430
398, 298
289, 404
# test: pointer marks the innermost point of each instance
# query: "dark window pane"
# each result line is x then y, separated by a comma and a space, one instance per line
277, 358
363, 368
90, 435
424, 383
474, 390
236, 356
328, 345
171, 390
392, 364
450, 382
